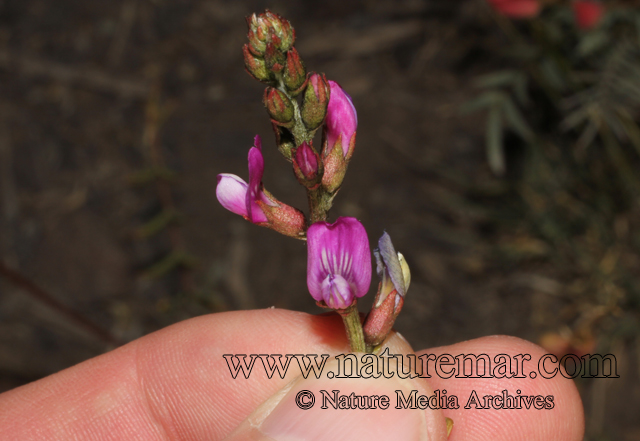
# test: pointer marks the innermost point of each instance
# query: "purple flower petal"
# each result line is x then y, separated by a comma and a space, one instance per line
231, 192
387, 260
342, 118
336, 292
254, 192
306, 160
338, 249
239, 197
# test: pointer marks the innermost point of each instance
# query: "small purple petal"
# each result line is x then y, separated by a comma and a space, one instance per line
336, 292
339, 249
387, 259
254, 192
232, 193
306, 160
342, 118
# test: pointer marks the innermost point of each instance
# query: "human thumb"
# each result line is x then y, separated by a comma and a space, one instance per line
338, 406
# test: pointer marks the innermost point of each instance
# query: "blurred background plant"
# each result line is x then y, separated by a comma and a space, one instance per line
520, 218
562, 127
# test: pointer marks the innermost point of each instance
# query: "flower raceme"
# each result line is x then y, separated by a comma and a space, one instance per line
254, 203
516, 8
339, 262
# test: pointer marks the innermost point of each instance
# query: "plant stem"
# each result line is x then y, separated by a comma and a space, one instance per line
351, 318
320, 202
43, 296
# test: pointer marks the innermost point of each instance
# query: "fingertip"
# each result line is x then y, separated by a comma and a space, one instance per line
565, 420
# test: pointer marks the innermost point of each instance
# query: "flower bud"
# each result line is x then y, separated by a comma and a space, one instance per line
316, 100
294, 74
341, 122
274, 59
339, 137
256, 66
395, 279
257, 45
269, 27
307, 166
278, 106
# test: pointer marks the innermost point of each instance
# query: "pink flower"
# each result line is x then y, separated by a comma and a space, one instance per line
588, 13
256, 204
516, 8
241, 198
339, 262
341, 121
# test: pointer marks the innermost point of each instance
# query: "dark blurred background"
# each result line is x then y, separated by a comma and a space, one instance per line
116, 117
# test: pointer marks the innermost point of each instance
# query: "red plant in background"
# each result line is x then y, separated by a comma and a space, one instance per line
587, 13
516, 8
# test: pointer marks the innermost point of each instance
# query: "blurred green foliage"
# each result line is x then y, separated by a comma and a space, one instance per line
563, 127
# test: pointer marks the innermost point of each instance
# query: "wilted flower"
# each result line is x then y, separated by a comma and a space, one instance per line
395, 278
254, 203
588, 13
339, 262
517, 8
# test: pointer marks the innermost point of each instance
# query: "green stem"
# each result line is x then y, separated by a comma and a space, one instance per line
320, 202
351, 318
299, 131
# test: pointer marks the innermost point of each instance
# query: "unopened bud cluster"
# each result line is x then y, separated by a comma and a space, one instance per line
299, 103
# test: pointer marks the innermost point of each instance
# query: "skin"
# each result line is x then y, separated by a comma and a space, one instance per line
175, 385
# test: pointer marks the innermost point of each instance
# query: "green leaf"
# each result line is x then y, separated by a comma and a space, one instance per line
497, 79
169, 263
632, 130
516, 120
520, 89
575, 118
157, 224
483, 101
552, 74
151, 174
592, 42
495, 150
